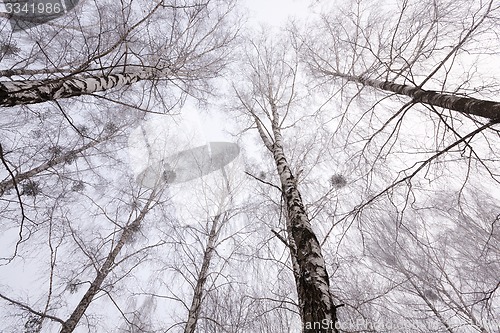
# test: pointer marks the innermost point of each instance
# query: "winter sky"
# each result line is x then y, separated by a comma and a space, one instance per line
276, 12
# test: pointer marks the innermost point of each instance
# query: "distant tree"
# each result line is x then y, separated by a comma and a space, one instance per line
441, 265
109, 263
223, 192
70, 207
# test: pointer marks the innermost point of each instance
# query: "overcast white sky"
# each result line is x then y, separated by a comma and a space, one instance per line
276, 12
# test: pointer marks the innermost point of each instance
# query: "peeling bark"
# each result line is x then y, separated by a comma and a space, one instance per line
468, 105
37, 91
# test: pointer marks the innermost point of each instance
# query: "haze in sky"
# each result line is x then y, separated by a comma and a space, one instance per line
276, 12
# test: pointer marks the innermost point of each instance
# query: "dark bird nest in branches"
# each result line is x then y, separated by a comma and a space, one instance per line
31, 188
338, 181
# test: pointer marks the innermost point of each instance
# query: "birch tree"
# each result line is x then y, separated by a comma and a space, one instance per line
417, 110
413, 64
199, 292
269, 99
129, 234
150, 41
489, 110
69, 279
442, 272
70, 324
69, 205
217, 235
413, 48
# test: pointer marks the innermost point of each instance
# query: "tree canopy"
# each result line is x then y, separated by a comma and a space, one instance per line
166, 166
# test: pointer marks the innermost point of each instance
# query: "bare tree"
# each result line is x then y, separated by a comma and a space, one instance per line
398, 50
131, 47
131, 227
68, 201
58, 156
373, 180
467, 105
268, 99
435, 146
366, 51
444, 273
225, 212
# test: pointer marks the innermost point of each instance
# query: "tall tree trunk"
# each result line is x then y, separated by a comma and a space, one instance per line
317, 309
468, 105
194, 310
37, 91
218, 221
70, 324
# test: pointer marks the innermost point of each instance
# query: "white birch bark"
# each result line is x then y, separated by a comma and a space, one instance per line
312, 281
37, 91
468, 105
